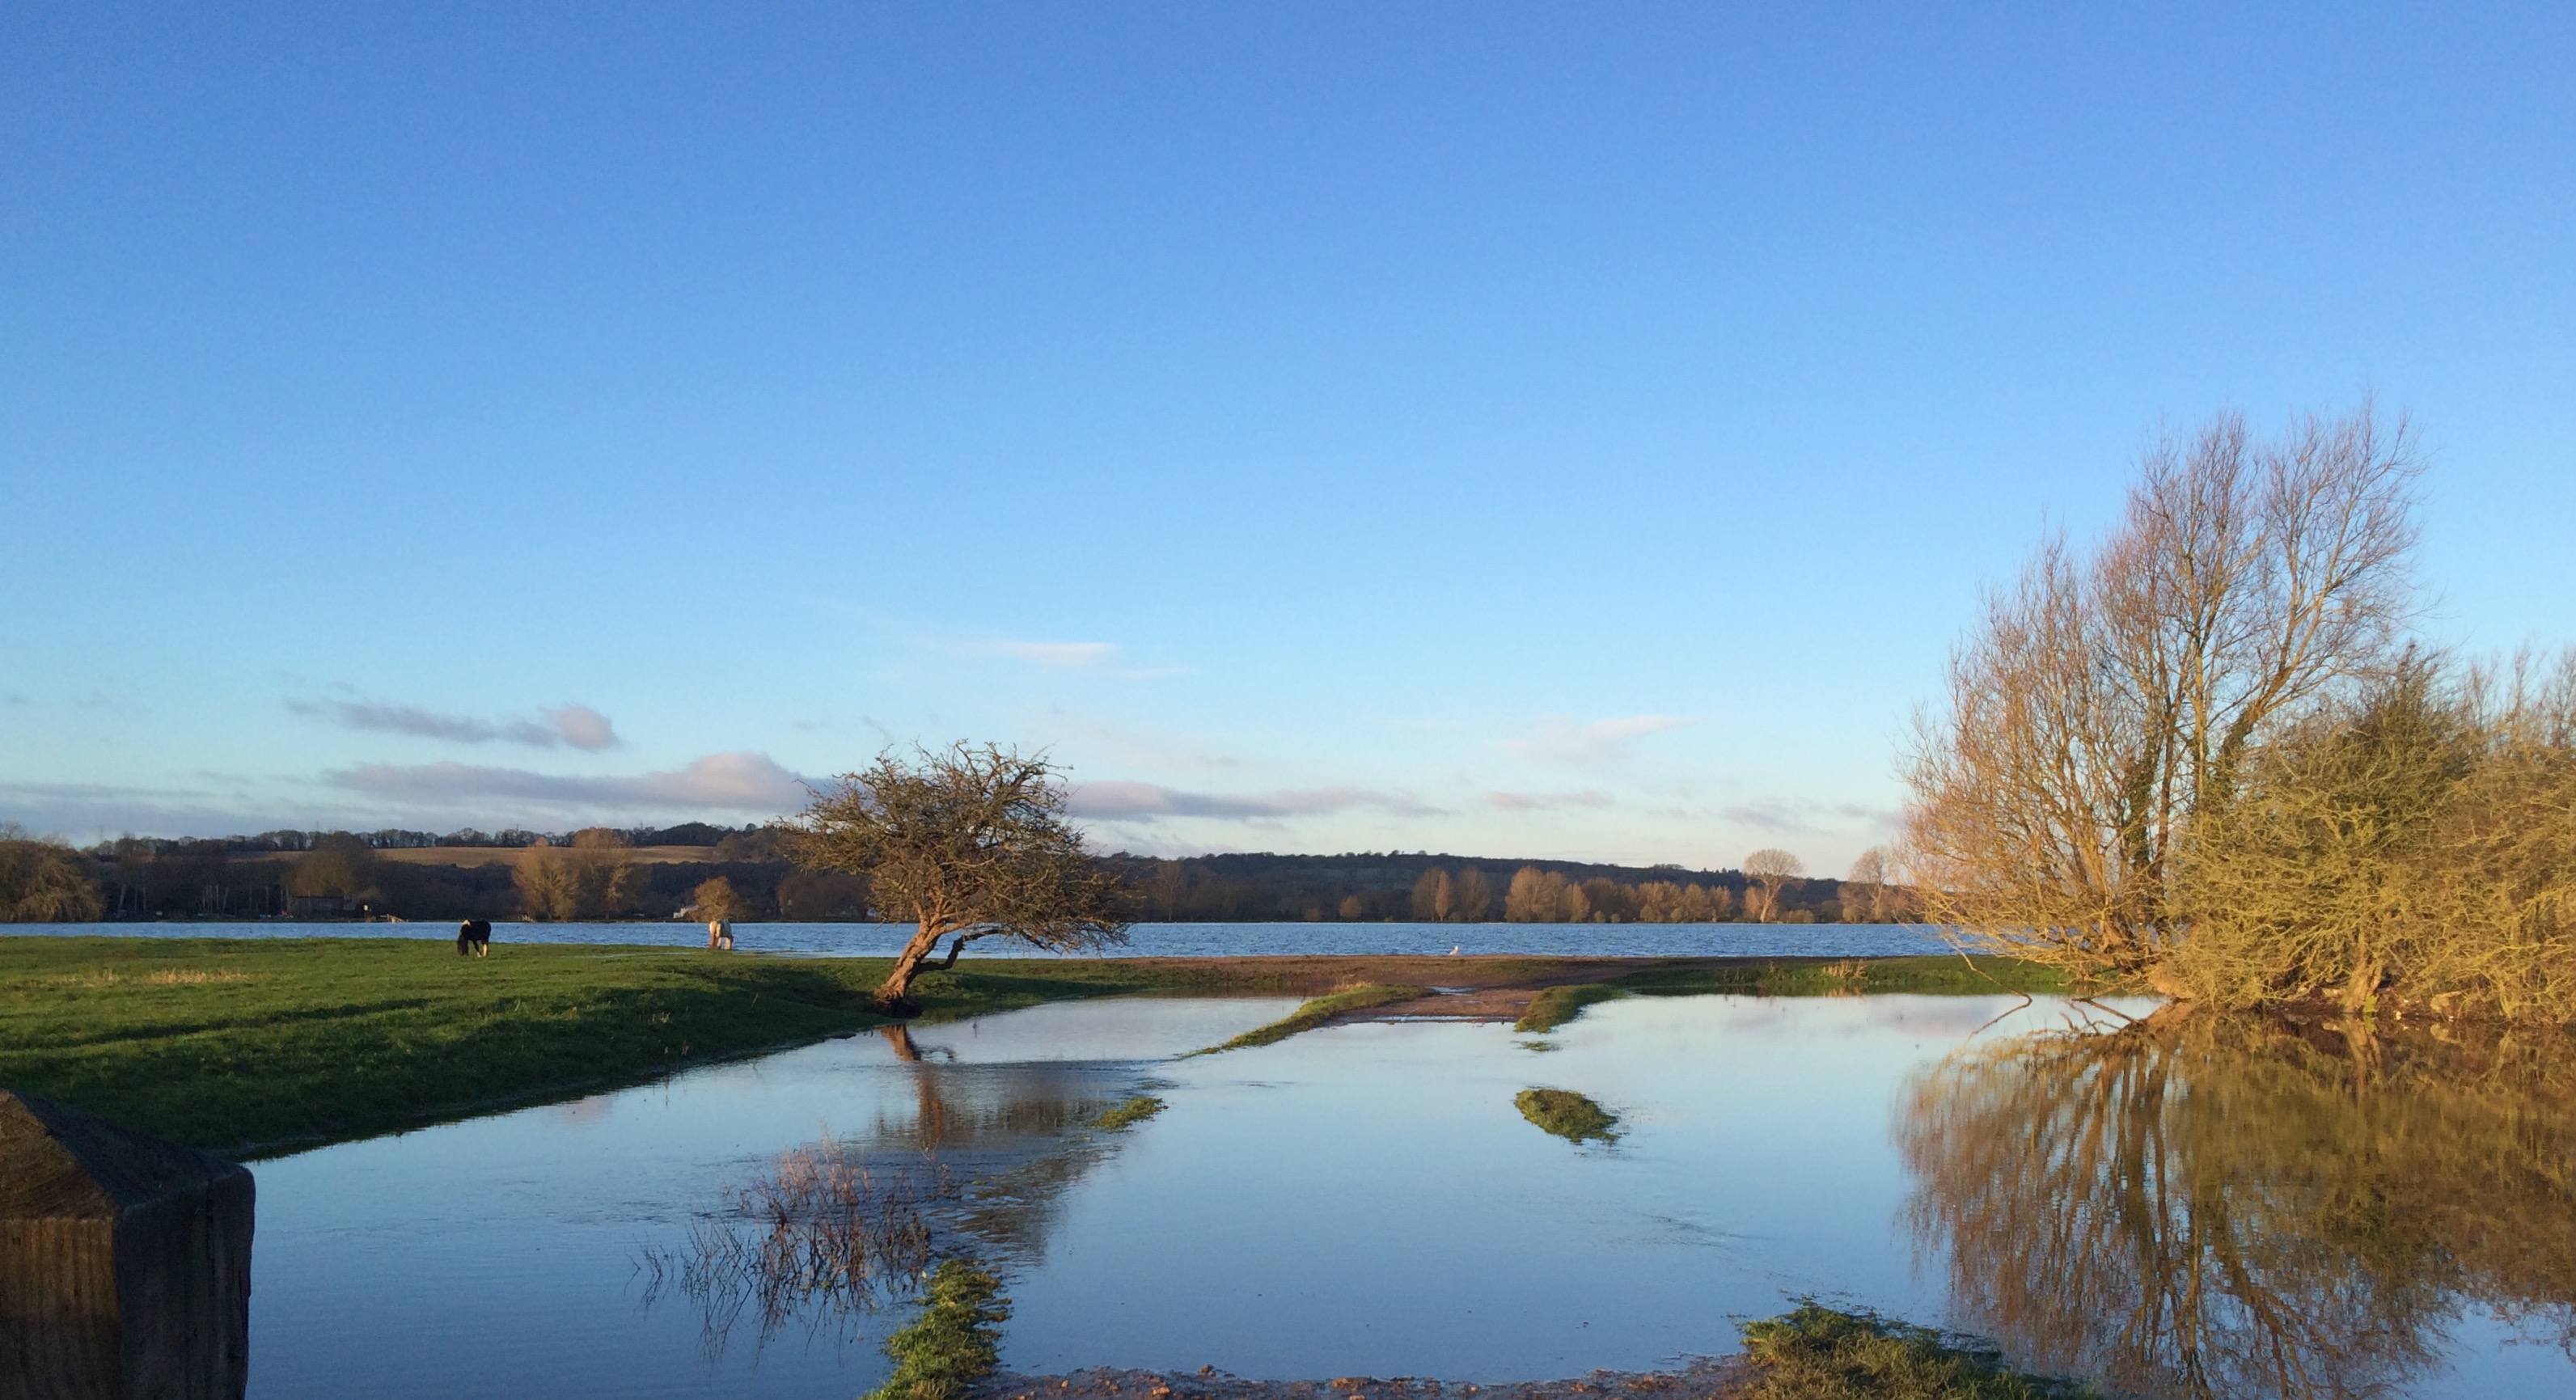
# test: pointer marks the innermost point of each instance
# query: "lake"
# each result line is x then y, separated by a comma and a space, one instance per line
1367, 1200
1144, 940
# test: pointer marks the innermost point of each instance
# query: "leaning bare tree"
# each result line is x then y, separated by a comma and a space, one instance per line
968, 842
2105, 699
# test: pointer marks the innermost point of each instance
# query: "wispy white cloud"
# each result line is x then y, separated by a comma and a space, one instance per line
1097, 658
564, 726
86, 811
1796, 817
736, 781
1159, 747
1066, 656
1560, 739
1146, 802
1545, 801
1779, 817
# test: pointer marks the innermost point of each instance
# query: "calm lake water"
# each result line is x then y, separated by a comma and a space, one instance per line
1147, 940
1366, 1199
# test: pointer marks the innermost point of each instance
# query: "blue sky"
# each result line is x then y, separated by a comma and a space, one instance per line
1519, 430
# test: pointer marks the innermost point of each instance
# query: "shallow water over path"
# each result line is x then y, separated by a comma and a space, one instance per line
1360, 1200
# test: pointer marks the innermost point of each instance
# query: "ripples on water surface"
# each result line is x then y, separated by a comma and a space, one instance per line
1366, 1199
1150, 940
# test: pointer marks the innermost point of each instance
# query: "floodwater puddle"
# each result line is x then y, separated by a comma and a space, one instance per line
2169, 1209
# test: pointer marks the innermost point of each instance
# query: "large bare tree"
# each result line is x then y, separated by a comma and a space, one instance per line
2104, 699
1767, 873
968, 842
1868, 892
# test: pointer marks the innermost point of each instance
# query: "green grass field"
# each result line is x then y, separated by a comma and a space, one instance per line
253, 1046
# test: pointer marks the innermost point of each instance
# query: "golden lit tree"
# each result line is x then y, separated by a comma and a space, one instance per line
1768, 873
2111, 696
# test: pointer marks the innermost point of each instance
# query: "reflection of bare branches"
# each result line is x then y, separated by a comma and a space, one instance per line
827, 1233
821, 1233
2217, 1207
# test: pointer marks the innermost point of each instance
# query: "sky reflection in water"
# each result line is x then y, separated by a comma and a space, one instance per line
1359, 1200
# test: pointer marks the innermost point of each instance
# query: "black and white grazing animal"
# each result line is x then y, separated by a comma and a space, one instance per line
474, 936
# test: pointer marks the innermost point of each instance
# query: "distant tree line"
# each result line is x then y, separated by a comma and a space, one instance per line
1395, 885
746, 874
590, 874
395, 839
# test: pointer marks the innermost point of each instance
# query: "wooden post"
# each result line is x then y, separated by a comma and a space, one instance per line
124, 1262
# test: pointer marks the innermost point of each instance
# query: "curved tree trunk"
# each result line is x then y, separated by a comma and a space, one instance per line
895, 993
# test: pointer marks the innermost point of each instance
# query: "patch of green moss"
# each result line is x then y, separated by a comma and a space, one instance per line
1821, 1353
1567, 1114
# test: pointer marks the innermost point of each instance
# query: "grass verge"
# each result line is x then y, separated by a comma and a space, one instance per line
1821, 1353
250, 1047
1567, 1114
954, 1343
1316, 1012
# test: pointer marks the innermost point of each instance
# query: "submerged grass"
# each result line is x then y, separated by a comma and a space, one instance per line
249, 1047
1316, 1012
1128, 1114
955, 1342
1567, 1114
1554, 1006
1796, 977
1821, 1353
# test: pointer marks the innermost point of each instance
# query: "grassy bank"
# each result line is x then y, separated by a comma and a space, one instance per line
251, 1046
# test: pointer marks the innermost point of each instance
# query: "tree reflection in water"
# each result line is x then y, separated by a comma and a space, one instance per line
2214, 1206
828, 1231
820, 1232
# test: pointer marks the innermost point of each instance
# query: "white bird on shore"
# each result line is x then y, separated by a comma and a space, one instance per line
1453, 949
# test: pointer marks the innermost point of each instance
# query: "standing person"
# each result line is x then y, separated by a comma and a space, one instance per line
720, 935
